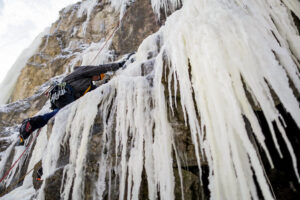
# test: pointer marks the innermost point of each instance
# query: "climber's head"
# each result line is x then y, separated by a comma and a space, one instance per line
98, 77
95, 78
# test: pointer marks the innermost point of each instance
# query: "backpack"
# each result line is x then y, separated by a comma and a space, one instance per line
61, 95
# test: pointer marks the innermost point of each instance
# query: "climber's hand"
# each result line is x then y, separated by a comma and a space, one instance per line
128, 57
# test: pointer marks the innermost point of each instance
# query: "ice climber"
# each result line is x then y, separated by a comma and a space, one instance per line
72, 87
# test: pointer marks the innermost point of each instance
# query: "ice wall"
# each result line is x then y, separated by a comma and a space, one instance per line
293, 5
209, 52
223, 44
8, 84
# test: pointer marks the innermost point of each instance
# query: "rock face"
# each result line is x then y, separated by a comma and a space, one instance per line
14, 113
138, 22
72, 34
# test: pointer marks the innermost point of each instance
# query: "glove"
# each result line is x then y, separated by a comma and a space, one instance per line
122, 63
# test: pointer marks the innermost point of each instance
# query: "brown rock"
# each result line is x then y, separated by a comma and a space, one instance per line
53, 184
36, 183
138, 23
191, 186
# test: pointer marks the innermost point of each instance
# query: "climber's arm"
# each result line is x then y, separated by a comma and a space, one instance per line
90, 71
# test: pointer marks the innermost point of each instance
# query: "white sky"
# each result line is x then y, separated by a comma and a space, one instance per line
20, 22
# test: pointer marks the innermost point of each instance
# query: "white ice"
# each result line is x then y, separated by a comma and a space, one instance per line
213, 50
8, 84
86, 8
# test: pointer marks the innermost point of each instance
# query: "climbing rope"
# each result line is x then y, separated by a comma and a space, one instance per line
113, 32
27, 147
106, 41
12, 186
110, 36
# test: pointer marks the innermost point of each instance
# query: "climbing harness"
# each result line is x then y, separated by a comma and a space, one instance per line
27, 147
60, 91
60, 95
47, 91
50, 88
87, 90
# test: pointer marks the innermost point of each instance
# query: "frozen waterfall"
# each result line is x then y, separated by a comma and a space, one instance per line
216, 55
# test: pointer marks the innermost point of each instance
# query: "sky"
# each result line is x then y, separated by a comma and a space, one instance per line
20, 22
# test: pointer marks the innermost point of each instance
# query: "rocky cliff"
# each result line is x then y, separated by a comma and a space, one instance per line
75, 31
151, 132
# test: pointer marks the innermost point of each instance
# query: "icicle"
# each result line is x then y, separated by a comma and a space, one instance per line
212, 51
220, 50
166, 5
293, 5
86, 7
4, 158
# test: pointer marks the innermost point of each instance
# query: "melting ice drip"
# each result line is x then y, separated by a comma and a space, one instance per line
211, 49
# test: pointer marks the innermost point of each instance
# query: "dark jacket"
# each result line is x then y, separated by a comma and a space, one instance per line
81, 78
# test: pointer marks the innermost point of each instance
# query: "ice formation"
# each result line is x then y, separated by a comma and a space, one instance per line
86, 8
8, 84
35, 15
212, 50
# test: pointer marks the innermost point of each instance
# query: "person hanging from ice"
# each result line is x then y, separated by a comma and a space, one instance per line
72, 87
